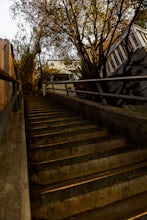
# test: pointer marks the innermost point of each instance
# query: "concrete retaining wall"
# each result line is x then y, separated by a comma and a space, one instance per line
4, 115
14, 184
118, 120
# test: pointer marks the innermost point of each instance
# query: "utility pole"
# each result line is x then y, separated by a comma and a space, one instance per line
41, 73
38, 50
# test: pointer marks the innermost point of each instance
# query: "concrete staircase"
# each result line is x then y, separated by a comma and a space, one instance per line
80, 170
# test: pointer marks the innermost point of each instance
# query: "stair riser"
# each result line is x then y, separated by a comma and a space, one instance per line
61, 173
66, 137
54, 152
71, 206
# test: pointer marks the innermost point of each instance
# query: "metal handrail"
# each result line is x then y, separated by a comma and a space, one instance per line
16, 87
127, 78
5, 76
100, 92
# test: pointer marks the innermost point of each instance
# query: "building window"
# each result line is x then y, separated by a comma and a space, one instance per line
130, 46
116, 59
52, 64
143, 37
108, 68
124, 48
109, 65
120, 54
111, 61
135, 40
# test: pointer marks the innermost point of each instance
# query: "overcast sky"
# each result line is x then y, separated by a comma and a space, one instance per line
8, 27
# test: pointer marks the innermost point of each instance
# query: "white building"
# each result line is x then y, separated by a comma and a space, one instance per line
117, 55
64, 67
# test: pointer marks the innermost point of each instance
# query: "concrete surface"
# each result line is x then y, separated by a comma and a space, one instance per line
14, 191
4, 115
14, 187
119, 120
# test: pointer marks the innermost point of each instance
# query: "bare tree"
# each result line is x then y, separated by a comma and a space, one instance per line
90, 26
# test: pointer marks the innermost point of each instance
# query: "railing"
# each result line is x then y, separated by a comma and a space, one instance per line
15, 87
9, 98
71, 88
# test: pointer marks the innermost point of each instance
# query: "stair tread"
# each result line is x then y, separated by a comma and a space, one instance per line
68, 132
48, 112
131, 208
50, 116
92, 178
63, 125
57, 120
67, 137
75, 143
66, 161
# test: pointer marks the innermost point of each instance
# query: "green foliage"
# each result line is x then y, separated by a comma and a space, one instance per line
141, 19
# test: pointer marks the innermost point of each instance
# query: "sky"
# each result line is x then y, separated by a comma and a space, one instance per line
8, 27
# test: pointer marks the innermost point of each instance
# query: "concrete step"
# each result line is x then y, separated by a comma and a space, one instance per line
60, 202
66, 126
52, 116
48, 112
68, 149
57, 121
131, 208
51, 171
77, 135
42, 110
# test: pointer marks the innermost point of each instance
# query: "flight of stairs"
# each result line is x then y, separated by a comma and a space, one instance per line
79, 170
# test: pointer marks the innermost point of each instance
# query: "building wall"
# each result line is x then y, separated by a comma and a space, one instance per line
64, 68
6, 64
118, 56
59, 89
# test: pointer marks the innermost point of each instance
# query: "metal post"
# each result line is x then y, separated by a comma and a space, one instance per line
100, 91
53, 88
40, 66
67, 93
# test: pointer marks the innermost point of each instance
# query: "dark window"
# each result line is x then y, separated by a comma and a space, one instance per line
112, 63
116, 59
120, 54
135, 39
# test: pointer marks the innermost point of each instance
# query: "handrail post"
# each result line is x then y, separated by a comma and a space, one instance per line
53, 87
100, 91
67, 93
17, 91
